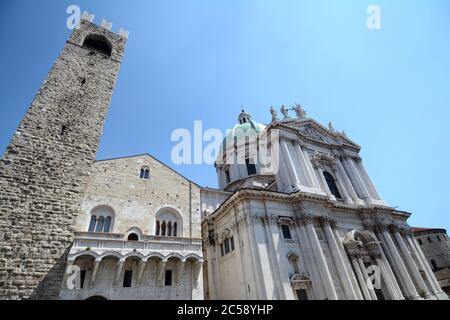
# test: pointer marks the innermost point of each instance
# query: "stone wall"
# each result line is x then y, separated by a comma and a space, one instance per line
116, 183
45, 168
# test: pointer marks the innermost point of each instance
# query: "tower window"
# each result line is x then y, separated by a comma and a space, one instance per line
439, 238
98, 43
127, 277
286, 231
429, 240
63, 130
251, 168
420, 241
168, 278
331, 184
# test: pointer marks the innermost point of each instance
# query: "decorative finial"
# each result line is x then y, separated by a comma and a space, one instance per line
273, 113
124, 33
299, 111
330, 127
284, 111
87, 16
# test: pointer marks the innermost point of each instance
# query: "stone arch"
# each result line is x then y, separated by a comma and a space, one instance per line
80, 254
168, 222
195, 257
136, 231
101, 210
98, 43
111, 254
138, 255
156, 255
175, 255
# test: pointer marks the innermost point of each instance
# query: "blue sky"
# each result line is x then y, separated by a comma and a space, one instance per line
188, 60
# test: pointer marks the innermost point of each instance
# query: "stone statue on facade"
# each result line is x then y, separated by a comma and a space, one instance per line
330, 126
273, 113
285, 112
299, 111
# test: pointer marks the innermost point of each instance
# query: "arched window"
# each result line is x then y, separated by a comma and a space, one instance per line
133, 237
168, 223
420, 241
433, 265
98, 43
429, 240
102, 218
145, 173
331, 184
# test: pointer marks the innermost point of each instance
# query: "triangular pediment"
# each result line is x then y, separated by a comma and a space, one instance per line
312, 131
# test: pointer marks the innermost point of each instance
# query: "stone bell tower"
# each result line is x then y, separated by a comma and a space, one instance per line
46, 165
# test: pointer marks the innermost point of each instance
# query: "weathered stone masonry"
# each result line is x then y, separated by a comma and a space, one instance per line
46, 165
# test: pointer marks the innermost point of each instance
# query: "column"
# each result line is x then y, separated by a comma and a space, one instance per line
385, 276
197, 281
322, 263
303, 166
410, 290
392, 275
160, 272
366, 277
356, 180
279, 262
141, 268
347, 182
310, 169
284, 175
119, 267
367, 179
348, 265
310, 260
327, 224
94, 273
426, 267
261, 287
290, 165
362, 283
298, 166
179, 272
410, 262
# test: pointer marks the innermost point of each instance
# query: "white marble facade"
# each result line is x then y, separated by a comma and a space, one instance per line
316, 228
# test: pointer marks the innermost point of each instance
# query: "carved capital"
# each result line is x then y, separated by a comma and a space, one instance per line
328, 220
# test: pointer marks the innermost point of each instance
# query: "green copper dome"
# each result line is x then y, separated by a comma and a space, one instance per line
246, 127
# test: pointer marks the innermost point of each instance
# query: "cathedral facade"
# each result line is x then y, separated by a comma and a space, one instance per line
304, 221
315, 227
